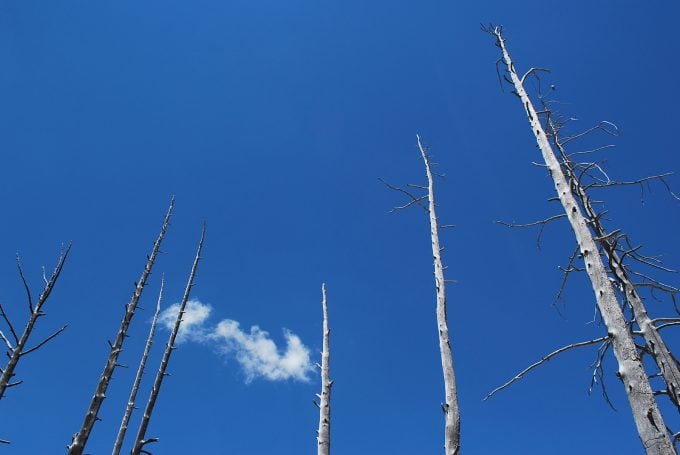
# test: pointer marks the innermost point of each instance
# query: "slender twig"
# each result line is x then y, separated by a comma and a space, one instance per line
542, 361
543, 223
414, 199
29, 298
45, 341
9, 324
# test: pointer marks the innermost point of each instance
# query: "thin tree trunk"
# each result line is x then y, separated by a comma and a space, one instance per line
80, 439
138, 378
18, 351
324, 432
648, 419
169, 347
657, 348
450, 407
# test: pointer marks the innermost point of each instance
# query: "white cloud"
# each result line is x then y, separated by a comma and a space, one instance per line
260, 357
195, 315
255, 351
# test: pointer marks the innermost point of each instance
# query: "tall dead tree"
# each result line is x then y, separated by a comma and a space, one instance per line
16, 347
450, 406
140, 442
611, 245
138, 377
92, 415
648, 419
324, 404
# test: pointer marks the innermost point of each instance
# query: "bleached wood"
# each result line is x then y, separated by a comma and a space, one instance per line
92, 415
324, 432
138, 377
169, 347
657, 347
450, 407
648, 419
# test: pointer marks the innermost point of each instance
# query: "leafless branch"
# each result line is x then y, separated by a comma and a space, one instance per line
23, 280
567, 270
543, 360
533, 71
414, 199
588, 152
598, 373
20, 348
43, 342
603, 126
543, 223
9, 324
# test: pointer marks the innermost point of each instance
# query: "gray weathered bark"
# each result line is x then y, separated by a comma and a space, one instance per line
324, 432
80, 439
656, 346
450, 407
648, 419
16, 352
138, 377
140, 442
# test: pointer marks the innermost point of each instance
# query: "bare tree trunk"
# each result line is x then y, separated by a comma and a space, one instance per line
138, 378
324, 432
450, 407
19, 350
140, 442
657, 348
80, 439
648, 419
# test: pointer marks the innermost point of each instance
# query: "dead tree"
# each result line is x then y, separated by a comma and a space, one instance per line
648, 419
92, 415
610, 243
140, 442
324, 404
450, 406
138, 377
16, 347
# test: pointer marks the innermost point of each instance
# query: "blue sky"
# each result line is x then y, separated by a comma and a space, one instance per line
272, 121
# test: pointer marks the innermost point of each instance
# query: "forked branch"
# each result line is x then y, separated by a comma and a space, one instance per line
19, 350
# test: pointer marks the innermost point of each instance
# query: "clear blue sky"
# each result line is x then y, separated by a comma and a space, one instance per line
272, 121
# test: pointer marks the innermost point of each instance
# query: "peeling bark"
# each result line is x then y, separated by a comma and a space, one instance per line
648, 419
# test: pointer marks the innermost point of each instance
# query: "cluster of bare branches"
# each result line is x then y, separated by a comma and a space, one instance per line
607, 258
17, 345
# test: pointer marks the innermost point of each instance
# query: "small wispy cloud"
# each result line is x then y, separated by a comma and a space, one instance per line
195, 315
254, 350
